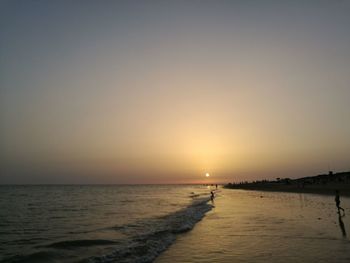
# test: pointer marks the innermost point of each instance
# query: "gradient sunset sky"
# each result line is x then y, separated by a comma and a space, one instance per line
165, 91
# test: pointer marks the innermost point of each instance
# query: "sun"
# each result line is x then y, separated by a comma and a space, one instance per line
207, 174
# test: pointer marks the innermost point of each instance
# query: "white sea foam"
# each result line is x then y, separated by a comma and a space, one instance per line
146, 247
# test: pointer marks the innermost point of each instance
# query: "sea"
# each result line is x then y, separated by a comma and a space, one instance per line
96, 223
169, 224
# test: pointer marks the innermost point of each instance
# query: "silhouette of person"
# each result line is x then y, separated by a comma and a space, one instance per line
341, 224
216, 186
337, 201
212, 196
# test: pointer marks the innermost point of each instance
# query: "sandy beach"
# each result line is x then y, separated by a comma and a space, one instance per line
256, 226
328, 189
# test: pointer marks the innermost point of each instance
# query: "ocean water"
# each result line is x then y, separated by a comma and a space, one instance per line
95, 223
254, 227
169, 224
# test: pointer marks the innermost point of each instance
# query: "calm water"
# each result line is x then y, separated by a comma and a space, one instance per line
249, 226
147, 223
95, 223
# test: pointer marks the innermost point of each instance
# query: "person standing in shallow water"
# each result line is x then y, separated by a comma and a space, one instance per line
337, 201
212, 196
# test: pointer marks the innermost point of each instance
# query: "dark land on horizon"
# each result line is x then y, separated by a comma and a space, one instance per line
319, 184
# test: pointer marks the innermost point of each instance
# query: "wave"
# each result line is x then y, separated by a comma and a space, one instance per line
143, 241
38, 257
194, 195
146, 247
81, 243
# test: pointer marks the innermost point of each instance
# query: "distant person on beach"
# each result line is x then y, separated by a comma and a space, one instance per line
216, 186
337, 201
212, 196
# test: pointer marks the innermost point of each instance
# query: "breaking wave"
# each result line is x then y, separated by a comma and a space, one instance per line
144, 241
147, 246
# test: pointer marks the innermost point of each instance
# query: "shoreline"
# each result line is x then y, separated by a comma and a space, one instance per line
344, 189
243, 227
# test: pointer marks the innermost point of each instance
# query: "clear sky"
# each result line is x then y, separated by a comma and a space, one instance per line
165, 91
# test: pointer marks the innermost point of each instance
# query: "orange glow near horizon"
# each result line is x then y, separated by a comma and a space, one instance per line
173, 92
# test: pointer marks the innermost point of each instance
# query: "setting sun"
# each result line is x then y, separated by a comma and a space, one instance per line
112, 114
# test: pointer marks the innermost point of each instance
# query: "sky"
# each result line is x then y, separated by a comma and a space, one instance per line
167, 91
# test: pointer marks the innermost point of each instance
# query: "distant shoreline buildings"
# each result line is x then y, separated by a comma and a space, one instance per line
323, 184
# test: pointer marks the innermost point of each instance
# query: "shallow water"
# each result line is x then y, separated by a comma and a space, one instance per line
95, 223
250, 226
141, 223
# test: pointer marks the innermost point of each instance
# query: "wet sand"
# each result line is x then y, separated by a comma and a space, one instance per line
253, 226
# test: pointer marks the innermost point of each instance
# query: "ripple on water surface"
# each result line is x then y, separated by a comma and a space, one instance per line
249, 226
95, 223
